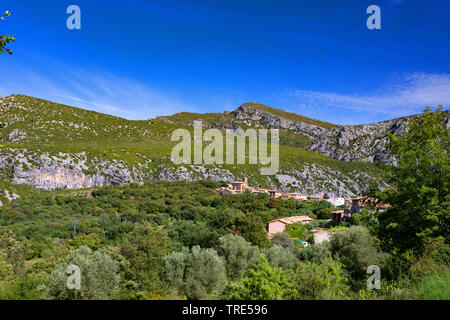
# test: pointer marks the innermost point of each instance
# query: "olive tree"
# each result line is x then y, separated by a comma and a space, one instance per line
99, 275
238, 254
195, 273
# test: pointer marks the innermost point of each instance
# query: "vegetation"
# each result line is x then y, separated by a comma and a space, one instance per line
5, 40
96, 143
180, 240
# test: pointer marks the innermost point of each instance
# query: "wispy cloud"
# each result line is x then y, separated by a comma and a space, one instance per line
407, 94
93, 90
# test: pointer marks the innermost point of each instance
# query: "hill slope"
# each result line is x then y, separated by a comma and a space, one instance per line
48, 145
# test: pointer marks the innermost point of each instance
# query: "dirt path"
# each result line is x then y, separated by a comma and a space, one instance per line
321, 236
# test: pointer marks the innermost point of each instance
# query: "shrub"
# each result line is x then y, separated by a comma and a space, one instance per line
434, 287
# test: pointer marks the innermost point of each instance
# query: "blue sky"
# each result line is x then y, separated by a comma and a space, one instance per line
141, 58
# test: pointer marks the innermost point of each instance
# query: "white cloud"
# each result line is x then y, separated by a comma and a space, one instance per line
93, 90
408, 94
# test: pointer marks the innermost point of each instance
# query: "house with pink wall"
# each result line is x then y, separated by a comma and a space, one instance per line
279, 225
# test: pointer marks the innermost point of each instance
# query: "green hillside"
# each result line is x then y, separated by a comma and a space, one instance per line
94, 142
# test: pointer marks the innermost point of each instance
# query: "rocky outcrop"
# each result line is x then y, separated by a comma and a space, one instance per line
46, 169
366, 143
60, 177
75, 171
68, 171
271, 120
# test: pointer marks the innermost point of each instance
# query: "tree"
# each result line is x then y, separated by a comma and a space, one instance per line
98, 272
261, 282
145, 251
252, 229
315, 253
238, 253
280, 257
356, 249
324, 213
5, 40
13, 250
283, 240
92, 241
297, 230
323, 280
190, 233
6, 269
419, 209
195, 273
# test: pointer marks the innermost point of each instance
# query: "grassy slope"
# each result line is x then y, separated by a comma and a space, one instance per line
53, 128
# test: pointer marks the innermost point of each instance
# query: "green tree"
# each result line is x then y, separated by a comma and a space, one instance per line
99, 276
283, 240
419, 209
145, 252
6, 269
50, 258
252, 229
279, 257
191, 233
13, 250
5, 40
356, 249
261, 282
297, 230
28, 287
313, 253
238, 253
196, 273
92, 241
324, 213
323, 280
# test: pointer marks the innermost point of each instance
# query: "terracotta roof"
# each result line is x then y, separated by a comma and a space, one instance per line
294, 219
358, 198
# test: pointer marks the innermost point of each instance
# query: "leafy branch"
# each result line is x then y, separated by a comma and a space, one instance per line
5, 40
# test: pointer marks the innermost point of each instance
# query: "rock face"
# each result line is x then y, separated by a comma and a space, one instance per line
24, 162
366, 143
68, 171
252, 113
75, 171
58, 177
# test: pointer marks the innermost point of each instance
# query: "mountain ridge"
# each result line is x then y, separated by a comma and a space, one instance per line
49, 146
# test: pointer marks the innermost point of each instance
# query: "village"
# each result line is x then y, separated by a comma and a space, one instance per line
354, 206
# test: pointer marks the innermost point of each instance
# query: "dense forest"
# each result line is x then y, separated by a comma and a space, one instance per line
180, 240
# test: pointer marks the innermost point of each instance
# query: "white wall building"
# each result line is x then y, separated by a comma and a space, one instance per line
336, 201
